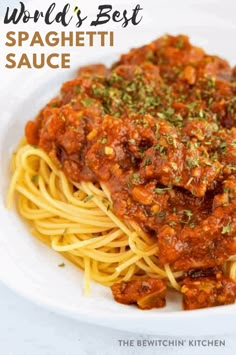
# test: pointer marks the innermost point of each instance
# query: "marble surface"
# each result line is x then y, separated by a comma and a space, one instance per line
27, 329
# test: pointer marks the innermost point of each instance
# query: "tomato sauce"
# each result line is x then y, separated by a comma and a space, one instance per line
158, 129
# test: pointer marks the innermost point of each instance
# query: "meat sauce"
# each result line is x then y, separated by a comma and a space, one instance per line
147, 294
208, 291
158, 129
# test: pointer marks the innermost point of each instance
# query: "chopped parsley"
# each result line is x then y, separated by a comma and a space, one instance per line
160, 191
174, 166
177, 180
161, 214
98, 91
172, 223
87, 102
180, 43
61, 265
77, 89
159, 148
147, 161
103, 140
34, 178
188, 213
192, 162
136, 178
226, 229
106, 203
150, 55
88, 198
128, 182
54, 105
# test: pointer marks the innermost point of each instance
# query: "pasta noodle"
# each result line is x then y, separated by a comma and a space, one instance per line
76, 220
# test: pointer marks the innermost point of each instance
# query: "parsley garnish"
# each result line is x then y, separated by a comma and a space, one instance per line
34, 178
172, 223
128, 182
226, 229
161, 214
87, 102
174, 166
136, 178
88, 198
147, 161
180, 43
77, 89
192, 162
106, 203
177, 179
103, 140
159, 147
62, 265
161, 190
188, 213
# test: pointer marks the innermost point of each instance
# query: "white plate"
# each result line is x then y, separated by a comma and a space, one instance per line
31, 268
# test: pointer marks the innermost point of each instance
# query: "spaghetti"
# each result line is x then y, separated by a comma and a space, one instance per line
76, 220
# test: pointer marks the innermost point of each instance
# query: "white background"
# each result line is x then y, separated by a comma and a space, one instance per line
28, 329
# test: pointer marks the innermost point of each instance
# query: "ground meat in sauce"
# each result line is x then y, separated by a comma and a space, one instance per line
148, 293
205, 292
158, 128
